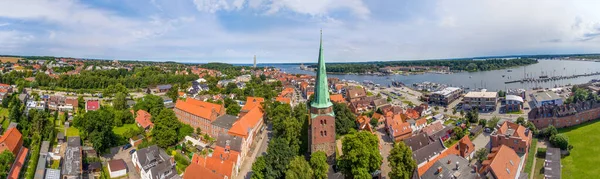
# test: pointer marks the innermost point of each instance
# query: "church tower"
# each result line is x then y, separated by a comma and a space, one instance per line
322, 117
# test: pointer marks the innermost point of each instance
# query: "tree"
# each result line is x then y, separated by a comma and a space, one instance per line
458, 133
97, 126
259, 168
473, 116
561, 141
344, 119
279, 155
113, 89
173, 92
150, 103
165, 129
184, 130
361, 155
299, 169
481, 154
401, 162
120, 101
483, 122
521, 121
6, 160
233, 110
493, 122
549, 131
501, 93
318, 163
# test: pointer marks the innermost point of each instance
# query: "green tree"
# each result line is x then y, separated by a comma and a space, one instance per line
150, 103
481, 154
114, 89
561, 141
493, 122
233, 110
165, 129
458, 133
549, 131
120, 101
361, 155
259, 168
318, 163
521, 121
501, 93
6, 160
473, 116
401, 162
97, 126
344, 119
279, 155
173, 92
299, 169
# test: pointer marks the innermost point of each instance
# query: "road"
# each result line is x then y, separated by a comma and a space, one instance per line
386, 144
263, 142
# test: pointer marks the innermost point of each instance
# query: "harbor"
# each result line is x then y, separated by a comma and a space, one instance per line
545, 78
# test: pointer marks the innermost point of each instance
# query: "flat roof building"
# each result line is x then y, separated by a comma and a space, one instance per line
445, 96
485, 101
546, 98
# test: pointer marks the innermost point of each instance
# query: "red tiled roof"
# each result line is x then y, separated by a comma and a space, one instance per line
252, 102
411, 113
11, 140
247, 122
338, 98
220, 163
283, 100
92, 105
199, 108
18, 164
116, 165
143, 118
421, 121
505, 163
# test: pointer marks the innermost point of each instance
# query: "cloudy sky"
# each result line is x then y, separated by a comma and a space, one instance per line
288, 30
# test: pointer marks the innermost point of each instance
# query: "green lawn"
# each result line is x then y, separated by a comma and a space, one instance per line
72, 131
582, 163
531, 155
4, 114
538, 173
124, 128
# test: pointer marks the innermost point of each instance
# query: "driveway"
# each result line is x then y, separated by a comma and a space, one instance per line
117, 153
385, 145
482, 141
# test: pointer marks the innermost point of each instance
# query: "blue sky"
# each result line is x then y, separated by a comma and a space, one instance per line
280, 31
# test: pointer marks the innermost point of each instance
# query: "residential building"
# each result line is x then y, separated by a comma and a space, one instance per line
221, 164
248, 127
40, 170
61, 103
322, 117
564, 115
360, 106
243, 78
552, 167
251, 102
233, 142
512, 103
223, 124
142, 119
418, 124
162, 88
452, 166
12, 141
92, 105
198, 114
117, 168
73, 164
445, 96
364, 123
484, 101
423, 109
463, 148
337, 98
52, 174
502, 163
397, 129
546, 98
153, 163
512, 135
136, 140
354, 93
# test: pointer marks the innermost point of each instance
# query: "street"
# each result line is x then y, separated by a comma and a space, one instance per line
386, 144
263, 142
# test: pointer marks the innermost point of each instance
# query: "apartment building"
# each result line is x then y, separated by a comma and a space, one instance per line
483, 100
445, 96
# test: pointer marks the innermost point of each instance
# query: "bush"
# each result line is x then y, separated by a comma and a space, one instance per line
561, 141
541, 152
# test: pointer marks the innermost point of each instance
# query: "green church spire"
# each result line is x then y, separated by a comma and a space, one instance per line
321, 99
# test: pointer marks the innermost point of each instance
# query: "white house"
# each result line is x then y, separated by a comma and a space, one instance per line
117, 168
153, 163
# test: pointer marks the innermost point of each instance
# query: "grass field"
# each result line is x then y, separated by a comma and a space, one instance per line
124, 128
4, 114
72, 131
539, 168
582, 163
531, 156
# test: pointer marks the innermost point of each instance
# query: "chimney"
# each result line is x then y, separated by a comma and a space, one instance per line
439, 170
449, 161
457, 165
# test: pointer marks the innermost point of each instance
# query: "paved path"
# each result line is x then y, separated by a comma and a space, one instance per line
385, 146
246, 168
482, 141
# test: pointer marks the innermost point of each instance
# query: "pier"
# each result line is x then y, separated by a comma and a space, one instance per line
548, 79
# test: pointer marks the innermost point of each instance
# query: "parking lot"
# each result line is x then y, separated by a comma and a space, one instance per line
118, 153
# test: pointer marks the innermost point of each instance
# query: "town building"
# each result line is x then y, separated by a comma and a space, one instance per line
250, 103
564, 115
512, 103
221, 164
153, 163
142, 119
12, 140
52, 174
199, 114
446, 96
72, 167
40, 169
322, 118
117, 168
463, 148
552, 167
337, 98
481, 100
546, 98
512, 135
355, 93
423, 109
502, 163
92, 105
452, 166
397, 128
162, 88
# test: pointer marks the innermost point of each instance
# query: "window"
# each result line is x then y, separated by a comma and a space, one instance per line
321, 133
325, 133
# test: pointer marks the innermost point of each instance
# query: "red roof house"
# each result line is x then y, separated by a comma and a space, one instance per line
92, 105
143, 119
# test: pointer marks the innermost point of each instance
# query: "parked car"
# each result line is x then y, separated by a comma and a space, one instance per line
126, 146
132, 151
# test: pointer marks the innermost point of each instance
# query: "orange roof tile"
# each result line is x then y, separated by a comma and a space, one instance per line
11, 140
18, 164
143, 118
507, 164
283, 100
251, 102
195, 170
421, 121
247, 123
338, 98
199, 108
221, 162
411, 113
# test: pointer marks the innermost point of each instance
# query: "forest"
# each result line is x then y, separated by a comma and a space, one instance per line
455, 65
